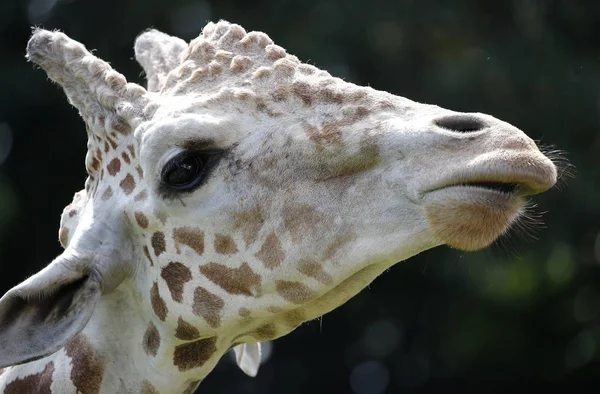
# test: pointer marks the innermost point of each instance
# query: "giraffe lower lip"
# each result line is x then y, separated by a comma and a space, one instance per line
471, 217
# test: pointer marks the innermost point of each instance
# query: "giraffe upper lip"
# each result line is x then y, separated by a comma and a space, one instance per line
503, 179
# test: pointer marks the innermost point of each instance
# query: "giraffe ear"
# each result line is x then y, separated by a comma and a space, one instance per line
247, 357
158, 53
39, 316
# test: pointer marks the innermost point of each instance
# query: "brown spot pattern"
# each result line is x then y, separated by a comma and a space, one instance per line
194, 354
107, 194
327, 135
141, 196
127, 184
148, 388
126, 158
38, 383
208, 306
131, 149
294, 317
315, 270
249, 222
158, 304
300, 220
140, 171
191, 237
158, 243
271, 253
176, 275
112, 142
240, 280
72, 213
295, 292
244, 312
95, 164
185, 331
122, 128
161, 215
368, 157
141, 219
338, 244
114, 166
265, 333
224, 244
87, 367
151, 340
147, 253
304, 91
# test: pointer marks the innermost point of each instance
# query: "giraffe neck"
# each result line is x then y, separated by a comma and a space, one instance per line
115, 344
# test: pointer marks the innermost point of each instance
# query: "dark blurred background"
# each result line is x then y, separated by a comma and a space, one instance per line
525, 313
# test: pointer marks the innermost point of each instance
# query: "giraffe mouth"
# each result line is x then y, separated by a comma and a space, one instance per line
470, 211
510, 188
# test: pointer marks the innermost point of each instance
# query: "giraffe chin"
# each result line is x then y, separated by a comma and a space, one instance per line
471, 218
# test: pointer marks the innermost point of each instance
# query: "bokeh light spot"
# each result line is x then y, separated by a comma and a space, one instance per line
371, 377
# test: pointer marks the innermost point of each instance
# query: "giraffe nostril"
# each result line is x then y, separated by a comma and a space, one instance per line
461, 123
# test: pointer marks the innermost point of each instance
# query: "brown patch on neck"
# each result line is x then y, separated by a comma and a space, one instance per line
158, 243
300, 220
162, 216
112, 142
131, 149
122, 128
271, 253
87, 367
126, 157
141, 196
147, 254
107, 194
158, 304
151, 340
176, 275
114, 166
38, 383
148, 388
315, 270
191, 237
249, 222
224, 244
244, 312
127, 184
295, 292
337, 244
264, 333
185, 331
194, 354
141, 219
240, 280
208, 305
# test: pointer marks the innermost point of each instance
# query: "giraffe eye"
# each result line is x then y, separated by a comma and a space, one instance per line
186, 170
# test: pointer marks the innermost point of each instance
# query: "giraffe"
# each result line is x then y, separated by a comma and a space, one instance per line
240, 194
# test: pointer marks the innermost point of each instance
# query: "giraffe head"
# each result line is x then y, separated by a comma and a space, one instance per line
245, 192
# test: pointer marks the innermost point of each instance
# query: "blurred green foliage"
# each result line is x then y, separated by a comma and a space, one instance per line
525, 313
